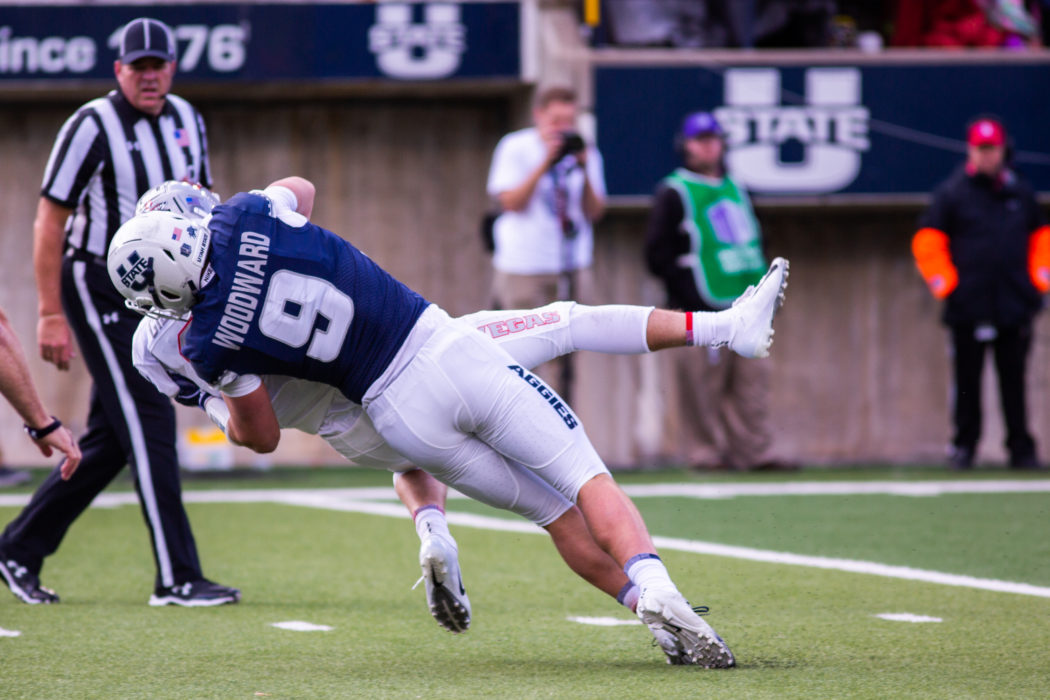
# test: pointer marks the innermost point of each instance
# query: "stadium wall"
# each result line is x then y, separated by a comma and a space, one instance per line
860, 359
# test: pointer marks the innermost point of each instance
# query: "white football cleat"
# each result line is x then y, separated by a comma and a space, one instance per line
667, 642
696, 643
446, 596
755, 309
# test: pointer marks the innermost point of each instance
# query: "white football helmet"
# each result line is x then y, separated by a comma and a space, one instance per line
178, 197
156, 261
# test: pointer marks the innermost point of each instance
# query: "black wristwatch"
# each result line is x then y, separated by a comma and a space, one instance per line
41, 433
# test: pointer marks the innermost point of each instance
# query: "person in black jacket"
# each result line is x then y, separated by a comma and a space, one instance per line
983, 248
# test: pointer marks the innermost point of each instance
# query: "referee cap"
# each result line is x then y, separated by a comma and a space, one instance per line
146, 37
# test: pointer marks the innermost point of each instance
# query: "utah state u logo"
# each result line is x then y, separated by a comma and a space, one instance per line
415, 51
136, 272
832, 127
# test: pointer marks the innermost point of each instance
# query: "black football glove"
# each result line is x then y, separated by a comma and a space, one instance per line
189, 393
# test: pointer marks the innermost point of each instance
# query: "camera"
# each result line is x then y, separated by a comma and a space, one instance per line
571, 142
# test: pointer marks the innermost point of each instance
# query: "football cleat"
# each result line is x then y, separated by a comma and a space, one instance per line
668, 643
695, 642
195, 594
446, 596
755, 309
24, 583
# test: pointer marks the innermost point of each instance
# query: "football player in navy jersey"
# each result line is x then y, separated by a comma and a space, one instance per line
272, 293
532, 337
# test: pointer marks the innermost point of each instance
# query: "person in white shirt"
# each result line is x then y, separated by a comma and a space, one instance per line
550, 189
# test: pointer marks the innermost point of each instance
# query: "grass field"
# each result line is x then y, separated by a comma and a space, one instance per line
798, 630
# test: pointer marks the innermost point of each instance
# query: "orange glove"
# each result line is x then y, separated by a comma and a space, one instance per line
1039, 258
930, 248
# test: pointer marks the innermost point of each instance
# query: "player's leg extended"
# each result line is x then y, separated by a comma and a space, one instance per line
590, 562
583, 555
417, 489
424, 496
461, 399
513, 487
619, 528
746, 327
556, 448
535, 336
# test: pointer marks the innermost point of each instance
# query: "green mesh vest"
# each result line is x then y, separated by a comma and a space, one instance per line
725, 252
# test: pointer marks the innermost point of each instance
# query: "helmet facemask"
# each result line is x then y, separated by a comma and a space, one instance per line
177, 197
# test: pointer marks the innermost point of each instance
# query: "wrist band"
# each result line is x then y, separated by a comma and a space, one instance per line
41, 433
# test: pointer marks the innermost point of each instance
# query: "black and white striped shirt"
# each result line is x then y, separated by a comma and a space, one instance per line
109, 153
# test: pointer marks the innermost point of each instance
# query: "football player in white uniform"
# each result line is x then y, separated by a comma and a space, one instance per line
531, 337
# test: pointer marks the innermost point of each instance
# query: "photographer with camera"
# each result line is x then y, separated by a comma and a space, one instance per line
550, 189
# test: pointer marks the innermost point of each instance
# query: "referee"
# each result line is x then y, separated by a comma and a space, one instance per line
107, 155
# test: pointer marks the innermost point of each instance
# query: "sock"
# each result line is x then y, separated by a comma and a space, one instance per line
615, 329
628, 596
430, 520
647, 571
708, 328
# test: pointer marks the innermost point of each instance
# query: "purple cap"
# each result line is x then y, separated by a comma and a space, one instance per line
146, 37
699, 124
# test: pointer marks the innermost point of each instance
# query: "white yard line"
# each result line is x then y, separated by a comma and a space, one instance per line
852, 565
683, 490
839, 488
375, 501
908, 617
301, 626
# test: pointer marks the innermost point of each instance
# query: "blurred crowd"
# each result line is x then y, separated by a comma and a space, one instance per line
868, 25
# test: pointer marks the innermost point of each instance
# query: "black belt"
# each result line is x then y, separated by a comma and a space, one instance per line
84, 256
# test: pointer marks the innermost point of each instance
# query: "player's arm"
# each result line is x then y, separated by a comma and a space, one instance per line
252, 421
16, 385
303, 190
53, 336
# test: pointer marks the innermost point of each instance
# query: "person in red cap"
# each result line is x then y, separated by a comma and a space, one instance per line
983, 247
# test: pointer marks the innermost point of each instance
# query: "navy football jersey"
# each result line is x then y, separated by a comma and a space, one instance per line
298, 301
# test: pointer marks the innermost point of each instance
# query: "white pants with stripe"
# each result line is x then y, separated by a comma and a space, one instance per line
453, 402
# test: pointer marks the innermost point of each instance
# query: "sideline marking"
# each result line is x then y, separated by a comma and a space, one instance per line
682, 490
908, 617
840, 488
300, 626
9, 633
603, 621
345, 500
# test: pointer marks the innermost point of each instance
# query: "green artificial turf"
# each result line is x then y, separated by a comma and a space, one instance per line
796, 631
